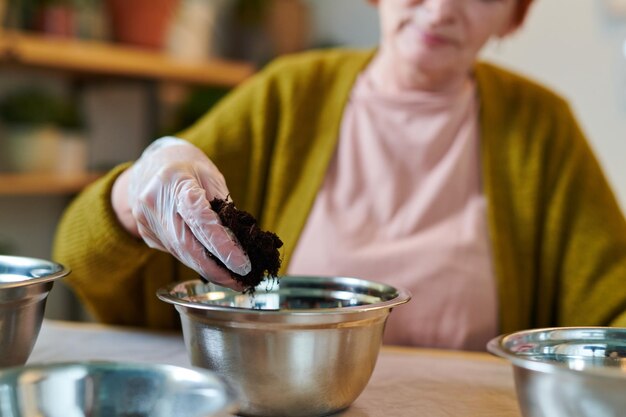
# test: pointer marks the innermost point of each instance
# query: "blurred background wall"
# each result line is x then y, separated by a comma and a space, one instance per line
576, 47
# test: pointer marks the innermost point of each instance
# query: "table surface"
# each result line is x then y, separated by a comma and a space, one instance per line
406, 381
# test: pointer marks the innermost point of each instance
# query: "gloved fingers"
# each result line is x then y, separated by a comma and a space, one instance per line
213, 182
147, 210
193, 254
174, 236
148, 229
206, 226
168, 195
216, 274
150, 238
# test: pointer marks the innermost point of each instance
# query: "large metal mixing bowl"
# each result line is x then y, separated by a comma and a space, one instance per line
24, 287
567, 372
304, 347
82, 389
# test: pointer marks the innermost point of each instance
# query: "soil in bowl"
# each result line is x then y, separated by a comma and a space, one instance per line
261, 246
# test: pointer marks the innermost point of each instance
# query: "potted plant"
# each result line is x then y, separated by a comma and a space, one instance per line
40, 131
142, 23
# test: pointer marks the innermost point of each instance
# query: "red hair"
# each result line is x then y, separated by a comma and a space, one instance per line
521, 11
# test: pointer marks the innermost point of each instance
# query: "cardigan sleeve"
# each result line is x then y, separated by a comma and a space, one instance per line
114, 274
272, 170
237, 135
102, 256
558, 234
584, 234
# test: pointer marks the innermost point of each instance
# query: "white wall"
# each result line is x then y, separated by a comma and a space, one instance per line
347, 22
570, 45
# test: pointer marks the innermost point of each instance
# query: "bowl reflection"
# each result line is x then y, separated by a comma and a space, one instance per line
82, 389
24, 287
570, 371
305, 346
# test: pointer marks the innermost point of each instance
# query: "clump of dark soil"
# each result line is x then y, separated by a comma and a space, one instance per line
261, 246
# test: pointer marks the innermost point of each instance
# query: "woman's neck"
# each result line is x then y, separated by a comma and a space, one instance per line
390, 76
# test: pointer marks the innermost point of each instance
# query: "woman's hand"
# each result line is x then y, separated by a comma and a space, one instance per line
164, 199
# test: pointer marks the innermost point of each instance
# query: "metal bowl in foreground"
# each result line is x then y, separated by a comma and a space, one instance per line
24, 287
304, 347
569, 371
80, 389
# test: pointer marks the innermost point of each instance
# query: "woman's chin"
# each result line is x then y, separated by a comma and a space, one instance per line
424, 63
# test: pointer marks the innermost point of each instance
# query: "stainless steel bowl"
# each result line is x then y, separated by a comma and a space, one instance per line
24, 287
304, 347
570, 371
81, 389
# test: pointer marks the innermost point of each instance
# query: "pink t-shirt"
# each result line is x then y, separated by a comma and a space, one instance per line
402, 204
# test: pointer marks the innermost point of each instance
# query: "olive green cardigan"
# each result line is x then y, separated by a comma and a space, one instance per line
558, 236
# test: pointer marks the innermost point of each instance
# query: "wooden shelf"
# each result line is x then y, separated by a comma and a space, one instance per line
13, 184
101, 58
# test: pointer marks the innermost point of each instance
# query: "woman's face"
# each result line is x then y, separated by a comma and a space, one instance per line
441, 36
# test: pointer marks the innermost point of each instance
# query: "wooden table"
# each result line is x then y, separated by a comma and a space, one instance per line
406, 382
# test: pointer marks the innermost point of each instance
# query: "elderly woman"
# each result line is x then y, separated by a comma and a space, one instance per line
412, 164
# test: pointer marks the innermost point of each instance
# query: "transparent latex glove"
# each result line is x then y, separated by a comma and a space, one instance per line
169, 189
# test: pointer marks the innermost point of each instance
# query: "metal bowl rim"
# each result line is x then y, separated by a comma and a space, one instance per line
64, 271
495, 346
402, 296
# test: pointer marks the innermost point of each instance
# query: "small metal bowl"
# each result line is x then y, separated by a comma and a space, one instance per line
304, 347
79, 389
24, 287
569, 371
